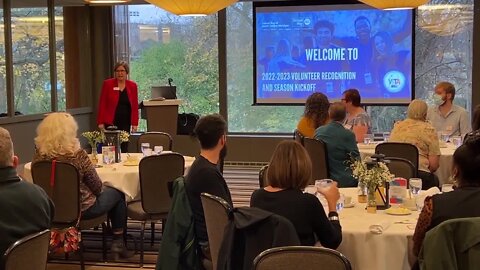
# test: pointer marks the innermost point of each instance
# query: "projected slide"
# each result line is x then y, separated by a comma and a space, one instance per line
328, 49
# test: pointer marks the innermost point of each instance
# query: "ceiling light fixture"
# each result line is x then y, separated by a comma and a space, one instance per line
394, 4
107, 1
192, 7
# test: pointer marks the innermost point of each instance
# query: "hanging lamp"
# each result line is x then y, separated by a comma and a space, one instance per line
192, 7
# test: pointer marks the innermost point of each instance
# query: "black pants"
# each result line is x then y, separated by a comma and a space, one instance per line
428, 179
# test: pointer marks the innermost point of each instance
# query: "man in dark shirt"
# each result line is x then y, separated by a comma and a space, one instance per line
204, 174
25, 208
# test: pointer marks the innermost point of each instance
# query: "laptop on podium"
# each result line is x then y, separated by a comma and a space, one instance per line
163, 92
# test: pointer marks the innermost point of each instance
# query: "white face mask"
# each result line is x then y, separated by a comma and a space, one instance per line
438, 99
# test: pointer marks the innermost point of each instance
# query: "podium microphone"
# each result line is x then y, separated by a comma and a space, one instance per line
170, 80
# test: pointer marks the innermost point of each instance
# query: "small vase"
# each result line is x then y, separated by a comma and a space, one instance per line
371, 200
362, 193
93, 157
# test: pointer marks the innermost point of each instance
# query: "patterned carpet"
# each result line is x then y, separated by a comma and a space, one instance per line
242, 181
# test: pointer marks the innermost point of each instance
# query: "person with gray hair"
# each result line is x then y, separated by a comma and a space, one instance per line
25, 208
341, 146
417, 131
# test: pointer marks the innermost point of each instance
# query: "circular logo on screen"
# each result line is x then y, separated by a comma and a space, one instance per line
394, 81
307, 21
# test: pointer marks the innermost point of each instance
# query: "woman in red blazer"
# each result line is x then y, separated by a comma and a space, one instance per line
119, 102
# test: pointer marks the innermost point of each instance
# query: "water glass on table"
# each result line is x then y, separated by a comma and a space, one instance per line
444, 136
415, 185
456, 140
158, 149
324, 185
368, 139
386, 136
144, 147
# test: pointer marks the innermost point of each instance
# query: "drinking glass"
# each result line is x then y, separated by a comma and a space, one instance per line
415, 186
323, 185
445, 136
386, 136
368, 139
158, 149
144, 146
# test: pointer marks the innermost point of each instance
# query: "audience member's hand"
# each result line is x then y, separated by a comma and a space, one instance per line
332, 195
101, 127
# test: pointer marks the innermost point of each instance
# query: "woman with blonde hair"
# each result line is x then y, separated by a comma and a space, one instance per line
289, 172
57, 140
417, 131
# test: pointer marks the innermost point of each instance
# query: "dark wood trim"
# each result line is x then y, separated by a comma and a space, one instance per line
222, 62
52, 49
7, 19
476, 54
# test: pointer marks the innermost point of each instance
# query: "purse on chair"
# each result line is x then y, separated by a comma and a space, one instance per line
64, 240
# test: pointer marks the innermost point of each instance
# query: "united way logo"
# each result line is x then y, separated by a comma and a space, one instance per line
394, 81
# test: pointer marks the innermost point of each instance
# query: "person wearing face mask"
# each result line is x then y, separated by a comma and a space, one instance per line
445, 116
204, 174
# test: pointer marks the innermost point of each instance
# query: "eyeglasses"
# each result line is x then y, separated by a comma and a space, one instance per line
121, 70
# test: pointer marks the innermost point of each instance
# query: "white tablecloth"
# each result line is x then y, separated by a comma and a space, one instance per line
119, 176
444, 171
366, 250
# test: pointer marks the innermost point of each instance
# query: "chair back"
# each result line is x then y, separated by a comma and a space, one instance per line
216, 211
28, 253
401, 167
300, 257
63, 190
317, 150
400, 150
156, 172
297, 136
262, 176
156, 139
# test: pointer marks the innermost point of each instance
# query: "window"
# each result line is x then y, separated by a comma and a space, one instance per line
162, 46
31, 65
3, 89
242, 116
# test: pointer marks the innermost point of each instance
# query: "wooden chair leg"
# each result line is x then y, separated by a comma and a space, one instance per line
142, 232
104, 241
152, 233
82, 259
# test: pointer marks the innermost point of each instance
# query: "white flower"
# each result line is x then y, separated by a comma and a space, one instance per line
374, 176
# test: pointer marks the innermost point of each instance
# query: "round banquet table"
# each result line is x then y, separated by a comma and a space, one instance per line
367, 250
117, 175
444, 170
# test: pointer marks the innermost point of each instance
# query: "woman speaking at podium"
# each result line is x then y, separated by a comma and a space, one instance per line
119, 102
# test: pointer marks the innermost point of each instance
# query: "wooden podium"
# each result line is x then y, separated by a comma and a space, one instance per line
162, 115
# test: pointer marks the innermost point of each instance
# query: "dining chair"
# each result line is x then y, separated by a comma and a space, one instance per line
156, 139
34, 247
216, 211
301, 257
317, 150
400, 150
297, 136
64, 191
262, 176
155, 172
401, 167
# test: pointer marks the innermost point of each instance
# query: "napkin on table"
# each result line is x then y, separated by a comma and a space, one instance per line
379, 227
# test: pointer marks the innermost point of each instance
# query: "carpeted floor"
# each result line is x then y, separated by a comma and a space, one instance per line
241, 180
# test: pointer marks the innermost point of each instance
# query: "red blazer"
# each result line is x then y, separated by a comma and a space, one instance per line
109, 99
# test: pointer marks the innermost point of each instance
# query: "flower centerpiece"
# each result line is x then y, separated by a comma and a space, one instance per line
371, 174
124, 136
94, 138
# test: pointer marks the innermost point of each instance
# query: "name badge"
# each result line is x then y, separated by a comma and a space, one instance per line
116, 88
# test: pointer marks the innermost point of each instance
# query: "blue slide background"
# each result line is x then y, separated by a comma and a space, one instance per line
381, 71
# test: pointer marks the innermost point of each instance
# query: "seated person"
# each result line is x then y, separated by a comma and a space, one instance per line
25, 207
417, 131
204, 174
289, 171
357, 118
341, 146
57, 139
462, 202
315, 115
445, 116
